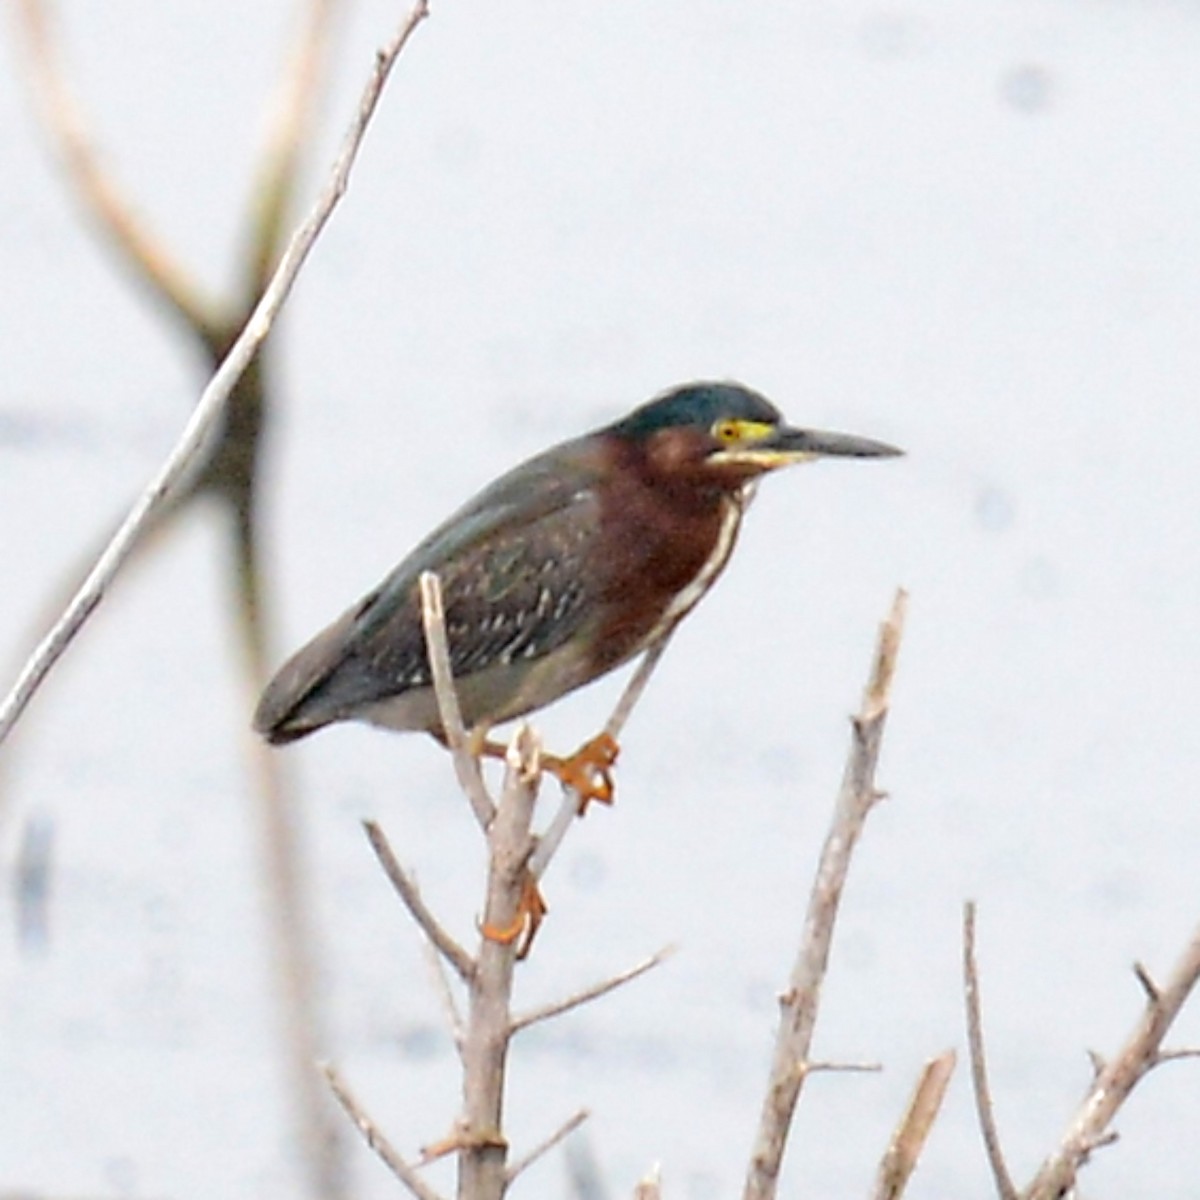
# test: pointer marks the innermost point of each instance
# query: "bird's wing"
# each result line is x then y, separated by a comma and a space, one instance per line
509, 566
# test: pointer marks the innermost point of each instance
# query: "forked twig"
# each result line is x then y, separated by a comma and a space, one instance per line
407, 890
376, 1139
211, 406
800, 1002
1119, 1076
437, 968
151, 262
979, 1079
908, 1141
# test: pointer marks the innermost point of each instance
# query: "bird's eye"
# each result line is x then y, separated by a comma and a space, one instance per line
727, 432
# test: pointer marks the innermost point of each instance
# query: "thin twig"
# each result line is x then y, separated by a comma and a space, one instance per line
551, 838
466, 765
543, 1147
821, 1066
800, 1003
594, 992
407, 890
1166, 1056
210, 408
437, 968
908, 1141
979, 1078
376, 1139
649, 1187
1121, 1074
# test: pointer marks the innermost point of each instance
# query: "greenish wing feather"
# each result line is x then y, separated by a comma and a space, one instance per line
512, 565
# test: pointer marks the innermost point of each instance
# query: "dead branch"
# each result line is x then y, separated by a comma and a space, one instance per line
483, 1148
376, 1139
649, 1187
908, 1141
1005, 1187
150, 261
407, 890
441, 981
594, 992
466, 765
543, 1147
800, 1003
1119, 1076
210, 408
279, 159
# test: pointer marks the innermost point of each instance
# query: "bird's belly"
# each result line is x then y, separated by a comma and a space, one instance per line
489, 697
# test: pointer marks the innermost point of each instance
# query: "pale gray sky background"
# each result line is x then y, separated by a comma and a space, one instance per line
969, 229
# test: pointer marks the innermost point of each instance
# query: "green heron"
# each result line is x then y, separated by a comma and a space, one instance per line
558, 572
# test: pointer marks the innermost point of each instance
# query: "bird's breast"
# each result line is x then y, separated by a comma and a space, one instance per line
661, 564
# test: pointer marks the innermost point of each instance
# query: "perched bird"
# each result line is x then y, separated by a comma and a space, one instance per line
558, 572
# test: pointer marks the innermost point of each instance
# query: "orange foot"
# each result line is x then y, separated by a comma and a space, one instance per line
588, 771
531, 909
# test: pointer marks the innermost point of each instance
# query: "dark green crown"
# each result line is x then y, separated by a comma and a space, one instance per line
699, 404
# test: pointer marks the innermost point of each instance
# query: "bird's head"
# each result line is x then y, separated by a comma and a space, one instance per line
724, 435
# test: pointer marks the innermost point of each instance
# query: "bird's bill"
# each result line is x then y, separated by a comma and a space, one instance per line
783, 445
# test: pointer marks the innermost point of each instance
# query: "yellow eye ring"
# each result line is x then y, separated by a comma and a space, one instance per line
727, 432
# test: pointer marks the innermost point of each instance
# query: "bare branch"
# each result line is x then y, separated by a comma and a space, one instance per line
483, 1149
279, 160
824, 1066
376, 1139
565, 1130
211, 406
649, 1187
1166, 1056
908, 1141
594, 992
550, 840
800, 1003
148, 258
979, 1080
466, 765
1112, 1087
1148, 985
441, 980
407, 890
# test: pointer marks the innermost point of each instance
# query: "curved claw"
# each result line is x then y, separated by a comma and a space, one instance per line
588, 772
531, 909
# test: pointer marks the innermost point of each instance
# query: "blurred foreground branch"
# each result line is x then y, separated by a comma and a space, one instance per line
209, 410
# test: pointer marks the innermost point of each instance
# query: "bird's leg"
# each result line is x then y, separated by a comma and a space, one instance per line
531, 907
588, 772
531, 910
